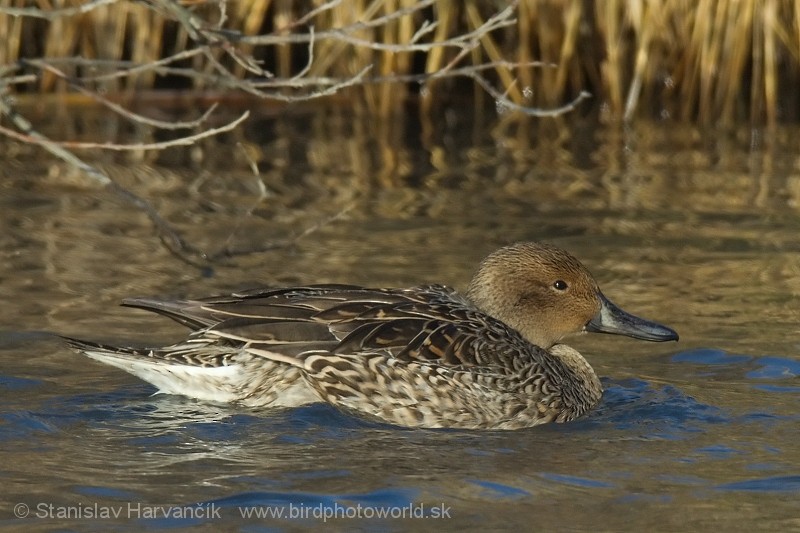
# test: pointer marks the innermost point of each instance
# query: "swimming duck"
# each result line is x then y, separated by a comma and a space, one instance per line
419, 357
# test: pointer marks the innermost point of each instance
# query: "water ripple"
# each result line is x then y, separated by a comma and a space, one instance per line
766, 484
665, 410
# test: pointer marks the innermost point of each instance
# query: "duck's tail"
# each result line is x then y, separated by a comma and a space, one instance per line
206, 372
168, 374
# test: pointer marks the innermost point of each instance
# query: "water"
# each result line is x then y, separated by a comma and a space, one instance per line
697, 230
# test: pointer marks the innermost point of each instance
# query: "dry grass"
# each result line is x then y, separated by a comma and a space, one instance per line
706, 60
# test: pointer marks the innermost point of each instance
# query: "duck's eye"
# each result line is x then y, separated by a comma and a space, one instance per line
560, 285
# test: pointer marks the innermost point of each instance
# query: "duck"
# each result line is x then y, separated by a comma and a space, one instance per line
422, 357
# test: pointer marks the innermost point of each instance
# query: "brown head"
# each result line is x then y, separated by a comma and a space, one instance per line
546, 294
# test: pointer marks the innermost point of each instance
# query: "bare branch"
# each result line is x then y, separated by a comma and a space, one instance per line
505, 104
138, 69
468, 40
216, 53
305, 70
32, 137
171, 239
134, 117
327, 6
426, 28
54, 14
29, 135
228, 251
223, 13
374, 23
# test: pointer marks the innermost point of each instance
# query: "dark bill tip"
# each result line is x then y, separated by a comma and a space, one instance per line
611, 319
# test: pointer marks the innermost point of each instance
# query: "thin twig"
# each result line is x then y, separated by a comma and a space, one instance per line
263, 194
327, 6
134, 117
215, 50
54, 14
230, 252
137, 69
468, 40
169, 236
171, 239
504, 103
32, 138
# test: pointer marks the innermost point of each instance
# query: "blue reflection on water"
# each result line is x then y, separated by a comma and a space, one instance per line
765, 484
499, 490
710, 356
576, 481
11, 383
663, 411
173, 426
775, 368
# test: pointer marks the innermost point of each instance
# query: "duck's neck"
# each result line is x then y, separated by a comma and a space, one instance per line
584, 390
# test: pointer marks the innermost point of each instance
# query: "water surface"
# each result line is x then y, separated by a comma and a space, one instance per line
695, 229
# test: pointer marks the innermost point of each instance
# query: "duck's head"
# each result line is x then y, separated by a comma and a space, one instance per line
546, 294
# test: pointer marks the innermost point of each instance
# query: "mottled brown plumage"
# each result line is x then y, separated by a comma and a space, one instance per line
425, 356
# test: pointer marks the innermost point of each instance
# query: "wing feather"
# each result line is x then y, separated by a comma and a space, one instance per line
431, 324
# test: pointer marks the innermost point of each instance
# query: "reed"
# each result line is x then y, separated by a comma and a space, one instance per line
707, 61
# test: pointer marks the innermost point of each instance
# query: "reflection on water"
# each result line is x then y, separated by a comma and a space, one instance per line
695, 229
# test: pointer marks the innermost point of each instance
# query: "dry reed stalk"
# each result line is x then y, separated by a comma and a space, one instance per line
694, 35
60, 39
757, 58
730, 61
445, 15
364, 57
107, 41
646, 22
387, 61
794, 46
492, 50
524, 36
566, 59
281, 20
398, 32
707, 60
549, 41
771, 26
339, 57
11, 27
735, 47
608, 17
145, 22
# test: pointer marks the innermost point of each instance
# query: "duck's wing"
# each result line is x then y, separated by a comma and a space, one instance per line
281, 303
431, 323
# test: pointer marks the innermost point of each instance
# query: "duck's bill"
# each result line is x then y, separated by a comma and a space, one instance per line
612, 319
